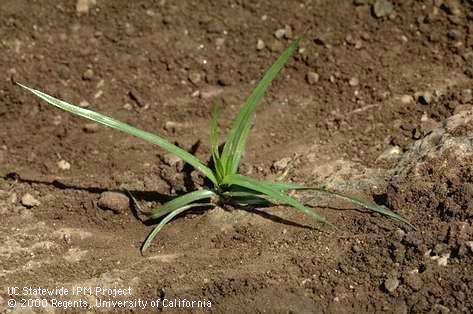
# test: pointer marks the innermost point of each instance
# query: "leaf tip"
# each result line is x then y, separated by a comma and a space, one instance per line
144, 248
21, 85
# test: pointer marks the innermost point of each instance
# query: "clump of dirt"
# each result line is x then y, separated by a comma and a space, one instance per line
436, 174
431, 185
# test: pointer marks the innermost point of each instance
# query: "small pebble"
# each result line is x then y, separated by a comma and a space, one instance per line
353, 82
365, 36
382, 8
194, 77
280, 33
451, 7
171, 159
282, 163
28, 200
391, 284
83, 6
349, 39
90, 127
114, 201
399, 233
220, 42
260, 45
172, 126
84, 104
390, 153
88, 74
406, 99
285, 32
210, 92
63, 165
443, 260
312, 77
425, 98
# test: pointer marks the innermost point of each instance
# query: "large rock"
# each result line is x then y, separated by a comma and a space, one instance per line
436, 174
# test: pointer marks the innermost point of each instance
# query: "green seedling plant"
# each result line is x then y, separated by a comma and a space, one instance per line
226, 186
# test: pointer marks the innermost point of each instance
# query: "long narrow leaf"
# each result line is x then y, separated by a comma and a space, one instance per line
239, 132
275, 195
251, 201
285, 186
239, 149
241, 194
280, 186
214, 141
110, 122
364, 204
248, 197
367, 205
180, 201
166, 219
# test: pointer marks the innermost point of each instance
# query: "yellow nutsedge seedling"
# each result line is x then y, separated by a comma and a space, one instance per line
226, 184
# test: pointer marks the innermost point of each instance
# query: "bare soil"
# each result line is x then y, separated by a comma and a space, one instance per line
383, 82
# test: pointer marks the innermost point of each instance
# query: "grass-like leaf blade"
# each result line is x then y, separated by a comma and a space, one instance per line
239, 149
248, 197
238, 134
364, 204
214, 140
251, 201
165, 220
180, 201
275, 196
113, 123
285, 186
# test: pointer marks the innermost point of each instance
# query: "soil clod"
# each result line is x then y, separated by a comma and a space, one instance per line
114, 201
29, 200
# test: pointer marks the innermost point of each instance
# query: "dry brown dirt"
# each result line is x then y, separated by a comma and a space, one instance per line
384, 83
